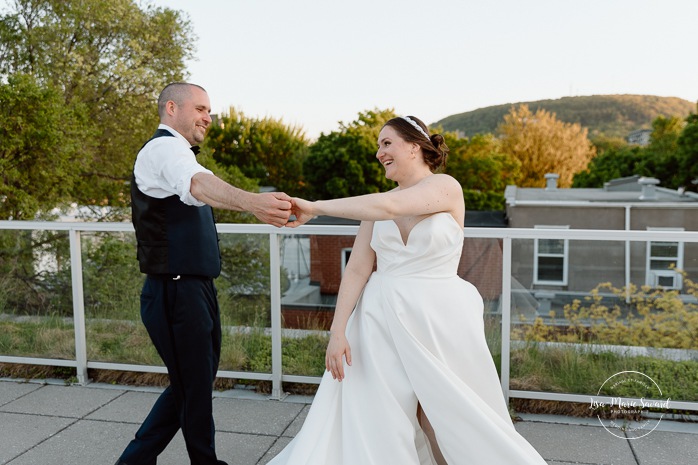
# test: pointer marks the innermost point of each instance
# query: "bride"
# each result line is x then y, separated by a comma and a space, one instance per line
409, 378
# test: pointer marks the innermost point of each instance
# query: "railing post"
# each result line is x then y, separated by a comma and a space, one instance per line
276, 361
627, 256
78, 306
506, 315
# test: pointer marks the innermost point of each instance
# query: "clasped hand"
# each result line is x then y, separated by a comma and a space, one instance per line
275, 208
302, 210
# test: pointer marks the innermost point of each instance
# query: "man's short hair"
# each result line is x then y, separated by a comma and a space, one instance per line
178, 92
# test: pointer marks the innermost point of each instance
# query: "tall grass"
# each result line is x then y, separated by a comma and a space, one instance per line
128, 342
49, 337
539, 368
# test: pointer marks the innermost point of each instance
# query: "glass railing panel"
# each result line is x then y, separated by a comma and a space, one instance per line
36, 295
607, 314
112, 285
312, 267
244, 296
481, 265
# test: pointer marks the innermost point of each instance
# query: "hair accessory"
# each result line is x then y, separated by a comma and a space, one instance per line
416, 126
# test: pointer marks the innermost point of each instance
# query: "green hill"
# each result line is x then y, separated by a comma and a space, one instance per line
603, 115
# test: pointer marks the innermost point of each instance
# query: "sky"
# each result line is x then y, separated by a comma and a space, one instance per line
314, 63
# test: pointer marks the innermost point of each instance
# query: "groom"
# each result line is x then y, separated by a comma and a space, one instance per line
171, 200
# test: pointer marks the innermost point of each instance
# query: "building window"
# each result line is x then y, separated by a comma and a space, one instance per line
550, 259
664, 259
346, 253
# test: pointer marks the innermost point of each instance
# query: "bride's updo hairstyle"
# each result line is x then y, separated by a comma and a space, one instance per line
412, 129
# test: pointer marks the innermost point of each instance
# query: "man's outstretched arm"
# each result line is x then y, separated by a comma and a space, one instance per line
273, 208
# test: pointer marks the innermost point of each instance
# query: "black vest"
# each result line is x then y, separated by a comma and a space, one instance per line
174, 238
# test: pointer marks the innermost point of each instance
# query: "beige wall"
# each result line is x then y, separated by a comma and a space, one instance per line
686, 218
594, 262
575, 218
603, 217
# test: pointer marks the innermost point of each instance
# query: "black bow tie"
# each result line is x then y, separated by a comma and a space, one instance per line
195, 149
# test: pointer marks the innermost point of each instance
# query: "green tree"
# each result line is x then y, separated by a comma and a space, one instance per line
40, 147
234, 176
661, 156
544, 145
613, 163
603, 143
660, 159
608, 163
482, 169
27, 285
265, 150
109, 59
479, 163
665, 134
343, 163
688, 152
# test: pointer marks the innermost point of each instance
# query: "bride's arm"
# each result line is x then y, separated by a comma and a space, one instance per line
356, 274
437, 193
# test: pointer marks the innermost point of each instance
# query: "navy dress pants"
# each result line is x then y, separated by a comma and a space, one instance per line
183, 320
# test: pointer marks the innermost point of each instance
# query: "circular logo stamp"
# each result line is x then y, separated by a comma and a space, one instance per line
629, 405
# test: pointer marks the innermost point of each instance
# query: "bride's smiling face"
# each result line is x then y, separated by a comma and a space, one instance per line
394, 153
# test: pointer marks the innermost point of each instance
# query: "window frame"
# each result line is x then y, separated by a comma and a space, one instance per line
344, 257
651, 276
564, 255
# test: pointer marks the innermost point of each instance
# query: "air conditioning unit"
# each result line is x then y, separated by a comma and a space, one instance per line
664, 278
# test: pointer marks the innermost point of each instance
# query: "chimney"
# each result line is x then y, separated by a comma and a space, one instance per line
648, 188
551, 181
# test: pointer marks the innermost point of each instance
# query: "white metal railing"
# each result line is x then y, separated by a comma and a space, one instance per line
277, 377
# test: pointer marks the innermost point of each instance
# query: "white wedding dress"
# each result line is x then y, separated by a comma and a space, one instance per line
417, 339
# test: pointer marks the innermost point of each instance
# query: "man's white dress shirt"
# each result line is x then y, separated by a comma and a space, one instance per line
165, 167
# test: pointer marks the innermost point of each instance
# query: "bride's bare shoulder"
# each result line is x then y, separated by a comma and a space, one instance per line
444, 180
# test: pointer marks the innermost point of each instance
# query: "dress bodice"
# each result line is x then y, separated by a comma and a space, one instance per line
432, 250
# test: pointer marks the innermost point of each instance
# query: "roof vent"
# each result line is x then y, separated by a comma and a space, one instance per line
551, 181
648, 188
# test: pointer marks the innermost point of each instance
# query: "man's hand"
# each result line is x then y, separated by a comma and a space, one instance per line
273, 208
303, 211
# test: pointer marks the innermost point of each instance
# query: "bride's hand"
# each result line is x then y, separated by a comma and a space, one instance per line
337, 349
302, 209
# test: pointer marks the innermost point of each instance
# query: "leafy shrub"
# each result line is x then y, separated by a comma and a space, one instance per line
649, 318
